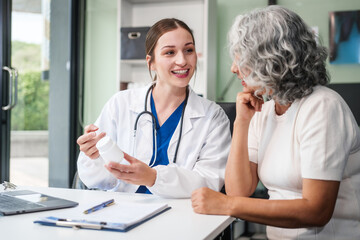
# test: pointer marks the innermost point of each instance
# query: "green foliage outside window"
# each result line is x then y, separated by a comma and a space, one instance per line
31, 111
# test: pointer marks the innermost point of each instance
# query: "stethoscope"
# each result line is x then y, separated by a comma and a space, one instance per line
153, 119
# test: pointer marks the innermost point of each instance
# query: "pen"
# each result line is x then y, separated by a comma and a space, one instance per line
78, 225
100, 206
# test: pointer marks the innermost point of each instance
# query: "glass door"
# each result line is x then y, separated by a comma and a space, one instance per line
27, 139
5, 63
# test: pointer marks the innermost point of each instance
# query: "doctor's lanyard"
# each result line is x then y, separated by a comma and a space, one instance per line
153, 119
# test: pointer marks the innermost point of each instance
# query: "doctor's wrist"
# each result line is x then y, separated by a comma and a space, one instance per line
152, 177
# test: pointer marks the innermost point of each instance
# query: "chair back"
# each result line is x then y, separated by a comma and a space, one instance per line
350, 93
77, 183
230, 110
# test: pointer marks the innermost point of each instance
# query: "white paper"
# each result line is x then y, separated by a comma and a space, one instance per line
124, 213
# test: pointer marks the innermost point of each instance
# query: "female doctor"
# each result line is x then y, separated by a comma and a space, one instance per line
192, 133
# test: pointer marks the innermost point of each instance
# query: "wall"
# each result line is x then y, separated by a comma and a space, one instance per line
315, 13
101, 19
100, 53
227, 11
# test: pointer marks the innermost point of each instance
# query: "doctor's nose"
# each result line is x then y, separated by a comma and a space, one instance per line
180, 60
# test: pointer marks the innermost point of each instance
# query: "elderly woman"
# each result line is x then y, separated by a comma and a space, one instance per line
303, 144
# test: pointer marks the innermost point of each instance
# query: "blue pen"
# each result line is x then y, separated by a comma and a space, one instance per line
100, 206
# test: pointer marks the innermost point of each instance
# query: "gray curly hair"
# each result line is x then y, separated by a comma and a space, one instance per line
281, 52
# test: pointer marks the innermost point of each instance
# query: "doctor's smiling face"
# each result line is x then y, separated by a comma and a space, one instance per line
173, 57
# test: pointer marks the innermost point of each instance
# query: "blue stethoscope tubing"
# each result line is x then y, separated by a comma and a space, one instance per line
153, 119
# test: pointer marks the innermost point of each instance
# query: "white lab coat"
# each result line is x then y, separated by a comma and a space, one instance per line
202, 154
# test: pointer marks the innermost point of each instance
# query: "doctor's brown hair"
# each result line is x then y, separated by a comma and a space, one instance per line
157, 30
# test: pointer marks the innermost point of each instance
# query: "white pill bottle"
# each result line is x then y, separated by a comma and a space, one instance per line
109, 151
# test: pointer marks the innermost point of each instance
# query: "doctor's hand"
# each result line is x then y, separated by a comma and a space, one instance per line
87, 141
207, 201
138, 172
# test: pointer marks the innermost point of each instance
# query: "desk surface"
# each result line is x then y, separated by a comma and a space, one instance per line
180, 222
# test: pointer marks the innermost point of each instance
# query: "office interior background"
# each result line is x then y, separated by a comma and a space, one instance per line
67, 54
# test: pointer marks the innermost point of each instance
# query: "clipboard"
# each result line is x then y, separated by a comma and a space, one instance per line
101, 220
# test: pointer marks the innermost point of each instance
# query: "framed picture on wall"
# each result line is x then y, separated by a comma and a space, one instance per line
344, 37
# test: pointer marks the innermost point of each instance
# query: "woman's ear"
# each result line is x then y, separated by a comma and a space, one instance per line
148, 61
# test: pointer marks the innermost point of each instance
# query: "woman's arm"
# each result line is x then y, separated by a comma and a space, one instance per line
241, 176
314, 209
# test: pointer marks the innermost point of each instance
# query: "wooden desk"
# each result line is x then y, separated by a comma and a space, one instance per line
180, 222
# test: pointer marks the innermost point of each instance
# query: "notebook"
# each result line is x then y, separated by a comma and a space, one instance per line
26, 201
